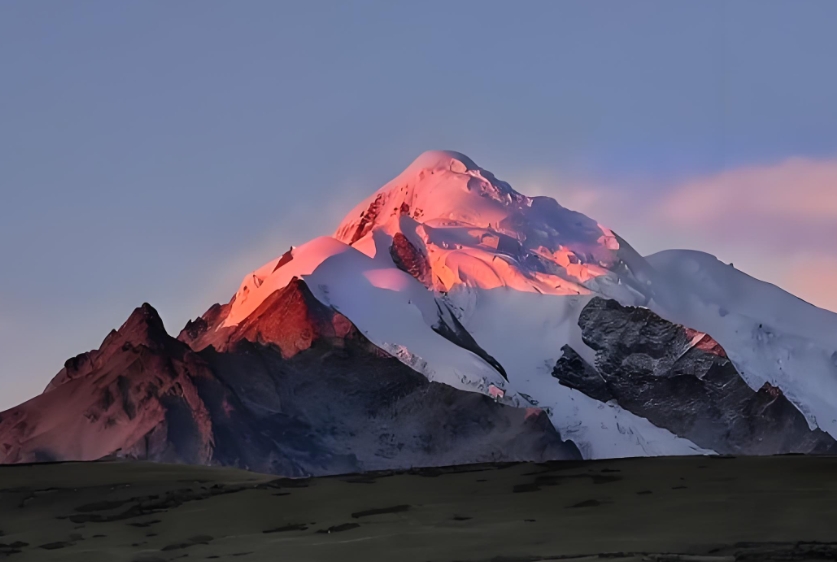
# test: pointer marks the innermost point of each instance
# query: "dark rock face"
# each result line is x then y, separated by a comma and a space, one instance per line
294, 390
683, 381
347, 409
575, 372
410, 259
367, 219
203, 331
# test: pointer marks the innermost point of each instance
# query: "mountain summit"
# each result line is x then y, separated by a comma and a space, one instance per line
550, 335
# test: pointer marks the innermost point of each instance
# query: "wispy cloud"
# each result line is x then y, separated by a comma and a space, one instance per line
777, 222
792, 205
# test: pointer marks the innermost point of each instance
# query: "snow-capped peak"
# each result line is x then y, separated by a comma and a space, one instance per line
478, 231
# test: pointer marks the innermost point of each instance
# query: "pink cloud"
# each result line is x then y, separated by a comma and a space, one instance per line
795, 190
779, 221
814, 276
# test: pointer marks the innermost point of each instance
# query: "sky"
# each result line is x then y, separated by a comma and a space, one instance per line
158, 151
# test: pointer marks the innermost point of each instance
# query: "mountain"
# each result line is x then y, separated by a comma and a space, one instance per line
450, 319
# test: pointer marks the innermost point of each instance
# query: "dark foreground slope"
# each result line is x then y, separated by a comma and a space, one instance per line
711, 509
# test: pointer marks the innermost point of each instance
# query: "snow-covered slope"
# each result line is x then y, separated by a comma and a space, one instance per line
770, 335
446, 248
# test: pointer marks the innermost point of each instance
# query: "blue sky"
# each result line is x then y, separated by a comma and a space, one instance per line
157, 151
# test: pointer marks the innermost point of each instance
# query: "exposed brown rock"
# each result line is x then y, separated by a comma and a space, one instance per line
140, 383
410, 259
292, 319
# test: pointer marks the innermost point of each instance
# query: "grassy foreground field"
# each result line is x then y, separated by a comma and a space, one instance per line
780, 508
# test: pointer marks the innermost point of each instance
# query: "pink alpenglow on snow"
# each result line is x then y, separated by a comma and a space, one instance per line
471, 229
478, 231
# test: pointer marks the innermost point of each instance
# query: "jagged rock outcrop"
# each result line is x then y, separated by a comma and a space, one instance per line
290, 319
410, 259
295, 390
207, 330
682, 380
134, 396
